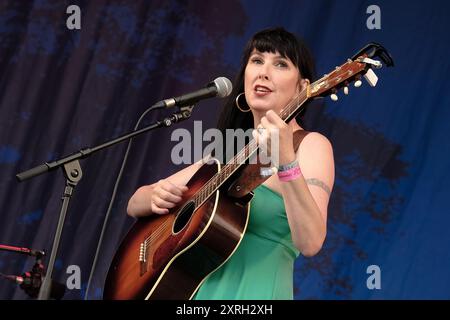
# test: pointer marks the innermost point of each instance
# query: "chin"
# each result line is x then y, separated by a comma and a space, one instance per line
261, 107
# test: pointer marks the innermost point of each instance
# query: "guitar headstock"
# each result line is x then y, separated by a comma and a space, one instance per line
351, 71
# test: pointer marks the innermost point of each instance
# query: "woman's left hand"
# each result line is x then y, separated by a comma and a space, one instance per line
271, 129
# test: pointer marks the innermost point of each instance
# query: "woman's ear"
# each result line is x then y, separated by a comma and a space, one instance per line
302, 83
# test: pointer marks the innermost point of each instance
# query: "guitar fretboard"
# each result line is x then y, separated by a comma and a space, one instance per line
287, 114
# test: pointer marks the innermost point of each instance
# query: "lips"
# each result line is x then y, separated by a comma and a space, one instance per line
262, 89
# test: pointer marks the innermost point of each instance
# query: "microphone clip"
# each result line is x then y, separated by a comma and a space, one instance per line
184, 113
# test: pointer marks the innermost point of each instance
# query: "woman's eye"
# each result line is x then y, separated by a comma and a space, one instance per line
257, 60
281, 64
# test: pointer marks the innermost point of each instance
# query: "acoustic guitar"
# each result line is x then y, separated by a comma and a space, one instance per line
169, 256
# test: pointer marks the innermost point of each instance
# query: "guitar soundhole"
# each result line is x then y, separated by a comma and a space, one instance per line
183, 217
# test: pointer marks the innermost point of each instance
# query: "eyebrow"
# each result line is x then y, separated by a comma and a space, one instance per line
278, 56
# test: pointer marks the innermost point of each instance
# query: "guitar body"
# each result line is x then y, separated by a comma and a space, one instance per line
169, 256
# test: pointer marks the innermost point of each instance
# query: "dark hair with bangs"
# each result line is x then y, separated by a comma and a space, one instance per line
286, 44
269, 40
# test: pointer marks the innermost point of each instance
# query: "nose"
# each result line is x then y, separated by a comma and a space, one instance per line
263, 73
263, 76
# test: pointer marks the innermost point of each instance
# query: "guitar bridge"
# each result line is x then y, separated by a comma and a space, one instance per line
143, 257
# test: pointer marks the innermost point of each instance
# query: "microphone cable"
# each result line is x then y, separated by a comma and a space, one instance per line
113, 197
223, 89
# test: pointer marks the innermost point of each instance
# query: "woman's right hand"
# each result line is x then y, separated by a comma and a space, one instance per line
165, 196
159, 197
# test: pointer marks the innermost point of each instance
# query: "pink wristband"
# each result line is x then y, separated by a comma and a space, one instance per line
290, 174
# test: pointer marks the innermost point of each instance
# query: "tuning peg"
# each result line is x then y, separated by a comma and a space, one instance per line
333, 95
346, 90
358, 81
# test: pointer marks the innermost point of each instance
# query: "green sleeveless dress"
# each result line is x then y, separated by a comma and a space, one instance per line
262, 266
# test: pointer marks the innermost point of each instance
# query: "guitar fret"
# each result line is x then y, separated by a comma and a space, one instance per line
202, 195
228, 171
197, 201
224, 173
229, 168
241, 157
207, 192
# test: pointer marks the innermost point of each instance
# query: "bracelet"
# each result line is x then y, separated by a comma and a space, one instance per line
290, 165
290, 174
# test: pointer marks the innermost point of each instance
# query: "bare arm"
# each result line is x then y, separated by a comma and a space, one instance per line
306, 198
162, 195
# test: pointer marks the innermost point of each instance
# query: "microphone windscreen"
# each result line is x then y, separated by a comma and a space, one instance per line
224, 86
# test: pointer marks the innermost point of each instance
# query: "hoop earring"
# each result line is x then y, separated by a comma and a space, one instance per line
237, 103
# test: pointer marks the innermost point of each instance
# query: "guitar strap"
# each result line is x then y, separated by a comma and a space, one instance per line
251, 177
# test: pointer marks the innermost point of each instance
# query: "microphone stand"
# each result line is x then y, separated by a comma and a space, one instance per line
73, 174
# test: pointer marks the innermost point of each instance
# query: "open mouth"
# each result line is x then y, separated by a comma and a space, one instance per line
262, 89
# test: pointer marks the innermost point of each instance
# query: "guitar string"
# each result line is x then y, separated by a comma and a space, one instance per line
245, 153
285, 113
156, 233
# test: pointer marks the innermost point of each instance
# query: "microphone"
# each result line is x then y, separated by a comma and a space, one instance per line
16, 279
30, 252
219, 87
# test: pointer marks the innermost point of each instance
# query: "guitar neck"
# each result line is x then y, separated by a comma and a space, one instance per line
287, 114
352, 70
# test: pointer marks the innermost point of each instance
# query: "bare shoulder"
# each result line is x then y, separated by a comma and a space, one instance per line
314, 148
315, 156
314, 140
